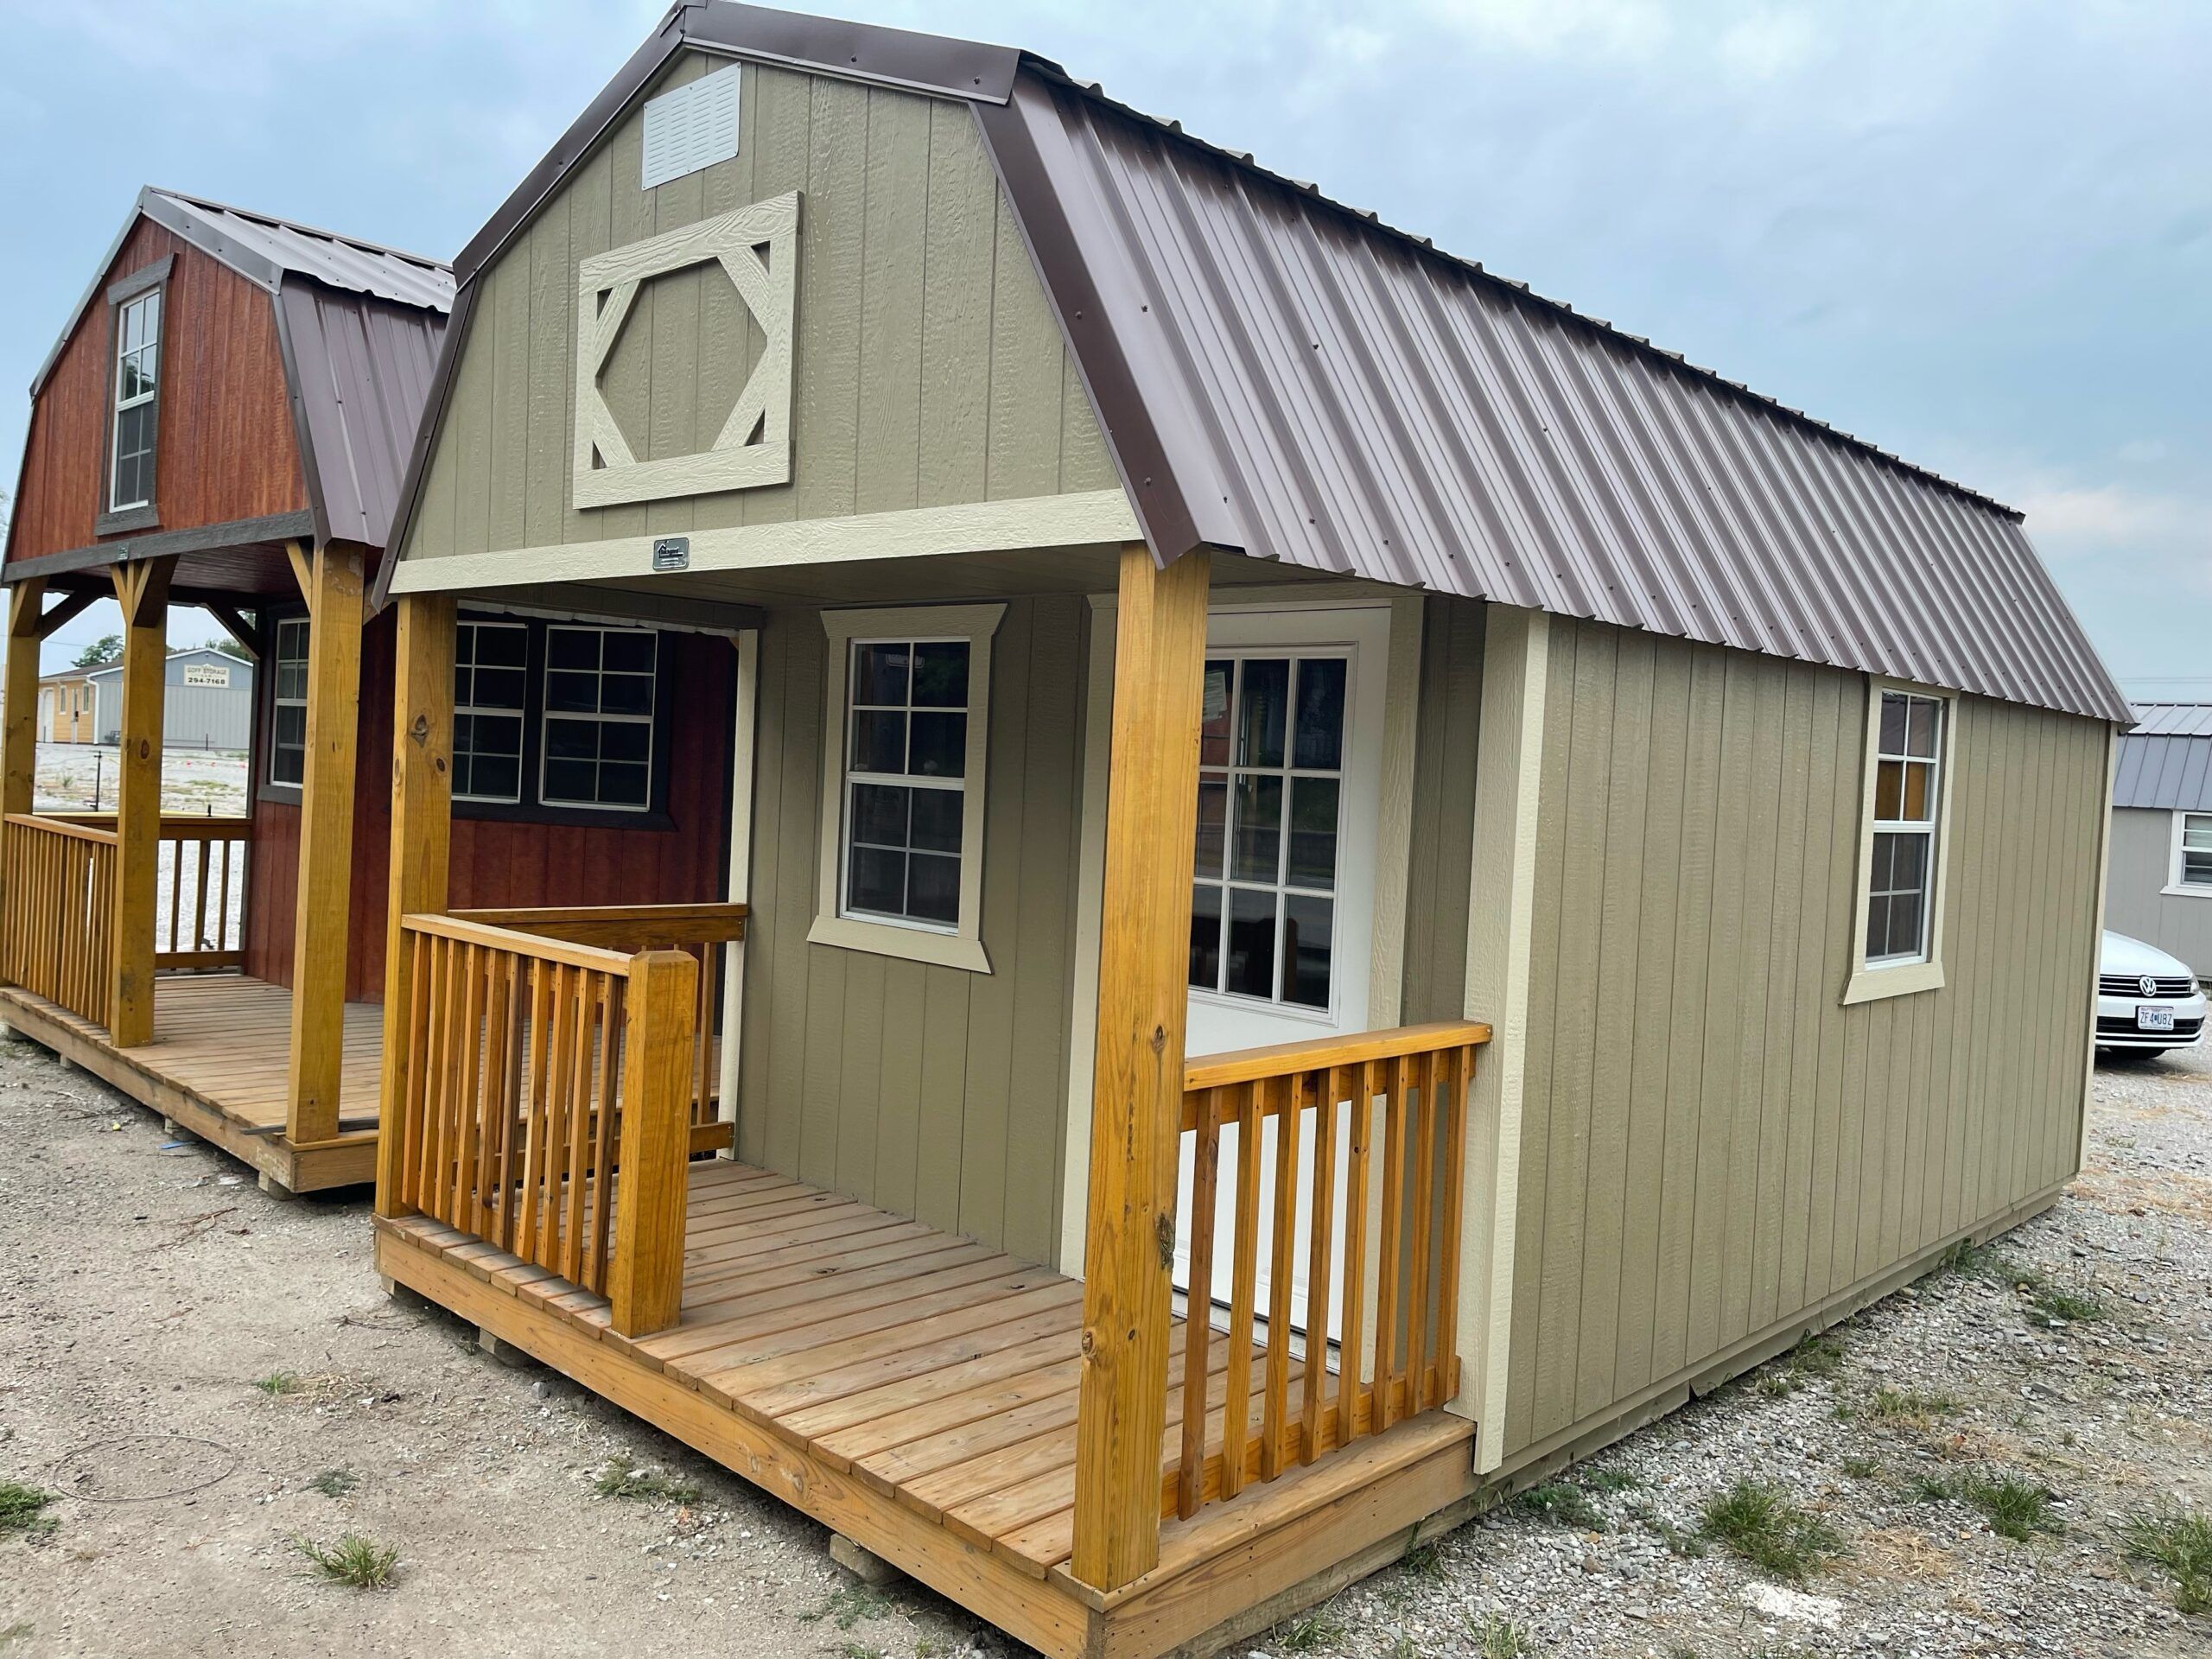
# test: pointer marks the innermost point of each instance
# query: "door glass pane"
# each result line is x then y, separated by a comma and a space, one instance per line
1313, 832
1319, 741
1264, 702
1308, 925
1251, 953
1256, 854
1213, 813
1213, 714
1205, 937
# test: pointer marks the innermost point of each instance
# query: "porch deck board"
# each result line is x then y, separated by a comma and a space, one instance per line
217, 1065
931, 1369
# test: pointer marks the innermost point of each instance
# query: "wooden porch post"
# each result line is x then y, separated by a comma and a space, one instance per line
331, 578
142, 590
646, 1292
1136, 1113
19, 746
422, 837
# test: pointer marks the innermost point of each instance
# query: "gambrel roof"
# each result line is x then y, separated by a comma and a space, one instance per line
1285, 376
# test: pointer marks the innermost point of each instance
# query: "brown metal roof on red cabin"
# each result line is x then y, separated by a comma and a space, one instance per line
358, 326
1282, 375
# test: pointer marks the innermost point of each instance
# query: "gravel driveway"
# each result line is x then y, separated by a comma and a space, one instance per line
206, 1379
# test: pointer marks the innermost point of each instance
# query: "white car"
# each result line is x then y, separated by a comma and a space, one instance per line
2148, 1002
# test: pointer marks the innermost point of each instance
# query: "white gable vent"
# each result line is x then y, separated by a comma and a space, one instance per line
692, 127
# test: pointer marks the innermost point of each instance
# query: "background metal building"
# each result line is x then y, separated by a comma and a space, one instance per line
207, 704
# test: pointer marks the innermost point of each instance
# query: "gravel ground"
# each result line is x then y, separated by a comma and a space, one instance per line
136, 1317
80, 777
2111, 1415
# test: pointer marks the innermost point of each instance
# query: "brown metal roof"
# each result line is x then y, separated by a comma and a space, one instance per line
1285, 376
360, 325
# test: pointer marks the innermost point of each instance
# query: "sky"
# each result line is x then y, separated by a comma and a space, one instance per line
1978, 232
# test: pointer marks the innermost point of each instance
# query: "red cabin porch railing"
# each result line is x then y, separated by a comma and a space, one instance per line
54, 934
1385, 1205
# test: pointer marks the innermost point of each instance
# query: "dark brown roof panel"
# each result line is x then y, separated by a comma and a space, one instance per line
1283, 376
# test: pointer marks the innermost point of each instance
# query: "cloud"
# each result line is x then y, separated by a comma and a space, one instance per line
2113, 518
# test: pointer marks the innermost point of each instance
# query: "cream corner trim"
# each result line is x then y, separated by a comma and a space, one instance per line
747, 644
963, 947
1076, 520
605, 471
1516, 667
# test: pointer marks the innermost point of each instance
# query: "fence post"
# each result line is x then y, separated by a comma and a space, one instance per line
645, 1279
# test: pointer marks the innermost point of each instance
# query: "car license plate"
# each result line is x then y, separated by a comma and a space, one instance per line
2153, 1018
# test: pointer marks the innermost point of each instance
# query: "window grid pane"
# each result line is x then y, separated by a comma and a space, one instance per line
488, 662
906, 771
1270, 788
288, 733
1907, 800
599, 685
137, 365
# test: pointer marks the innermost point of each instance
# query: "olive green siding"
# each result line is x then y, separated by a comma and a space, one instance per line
2136, 902
1712, 1144
1441, 847
928, 370
932, 1091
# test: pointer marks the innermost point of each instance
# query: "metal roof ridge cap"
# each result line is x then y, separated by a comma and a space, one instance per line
799, 40
298, 228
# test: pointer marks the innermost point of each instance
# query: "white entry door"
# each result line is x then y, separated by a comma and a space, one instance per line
1282, 902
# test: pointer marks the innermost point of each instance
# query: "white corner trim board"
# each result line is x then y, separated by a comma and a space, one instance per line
754, 448
1076, 520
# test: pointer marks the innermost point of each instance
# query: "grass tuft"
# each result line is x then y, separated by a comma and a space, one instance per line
1497, 1639
336, 1482
1757, 1520
1858, 1467
623, 1478
355, 1562
1909, 1408
1612, 1480
2179, 1541
22, 1511
850, 1605
1423, 1560
1309, 1633
2055, 1305
2015, 1506
1563, 1503
277, 1385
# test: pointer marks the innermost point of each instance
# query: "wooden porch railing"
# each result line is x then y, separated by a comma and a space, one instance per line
534, 1070
1395, 1353
698, 930
200, 889
60, 913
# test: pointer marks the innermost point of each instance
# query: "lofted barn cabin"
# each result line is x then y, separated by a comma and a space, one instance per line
1353, 882
225, 422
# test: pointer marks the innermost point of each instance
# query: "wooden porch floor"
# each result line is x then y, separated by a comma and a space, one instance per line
217, 1066
917, 1392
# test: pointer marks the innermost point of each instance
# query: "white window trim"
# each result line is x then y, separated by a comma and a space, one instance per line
117, 402
547, 713
961, 946
2175, 887
277, 700
521, 714
1870, 982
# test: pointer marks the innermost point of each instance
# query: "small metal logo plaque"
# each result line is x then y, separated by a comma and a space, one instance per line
673, 553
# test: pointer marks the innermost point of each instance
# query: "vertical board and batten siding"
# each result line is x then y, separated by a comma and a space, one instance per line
2136, 902
1712, 1145
224, 442
929, 369
1441, 851
930, 1091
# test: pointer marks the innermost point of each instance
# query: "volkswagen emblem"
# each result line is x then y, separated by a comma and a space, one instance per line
2148, 985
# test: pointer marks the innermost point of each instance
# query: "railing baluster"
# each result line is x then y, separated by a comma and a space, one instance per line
418, 1037
1320, 1260
467, 1132
1286, 1093
1198, 1312
603, 1118
580, 1123
1423, 1122
1459, 1069
199, 898
1350, 1369
1391, 1244
1236, 1383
